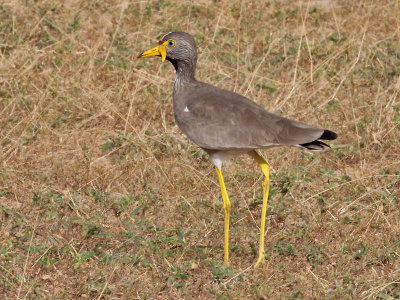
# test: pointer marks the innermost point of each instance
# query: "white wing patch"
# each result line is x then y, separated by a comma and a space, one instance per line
186, 109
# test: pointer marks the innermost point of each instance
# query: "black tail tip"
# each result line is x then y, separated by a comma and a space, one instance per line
328, 135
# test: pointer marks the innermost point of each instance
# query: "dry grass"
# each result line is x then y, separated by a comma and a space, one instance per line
102, 197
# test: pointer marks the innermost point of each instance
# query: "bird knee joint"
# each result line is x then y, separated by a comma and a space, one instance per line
265, 182
227, 206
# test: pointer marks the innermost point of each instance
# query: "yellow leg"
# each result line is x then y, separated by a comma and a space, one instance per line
265, 169
227, 212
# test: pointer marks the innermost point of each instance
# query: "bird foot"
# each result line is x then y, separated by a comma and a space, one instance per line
260, 260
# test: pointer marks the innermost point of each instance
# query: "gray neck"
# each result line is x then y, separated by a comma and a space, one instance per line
184, 74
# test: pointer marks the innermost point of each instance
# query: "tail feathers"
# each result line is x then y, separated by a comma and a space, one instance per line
328, 135
318, 145
315, 145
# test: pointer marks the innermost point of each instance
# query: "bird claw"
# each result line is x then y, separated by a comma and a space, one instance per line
260, 260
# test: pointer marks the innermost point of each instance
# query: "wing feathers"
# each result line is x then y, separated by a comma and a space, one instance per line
223, 120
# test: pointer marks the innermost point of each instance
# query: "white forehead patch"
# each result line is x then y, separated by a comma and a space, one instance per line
186, 109
166, 35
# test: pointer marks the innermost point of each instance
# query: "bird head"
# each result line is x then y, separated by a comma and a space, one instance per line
174, 46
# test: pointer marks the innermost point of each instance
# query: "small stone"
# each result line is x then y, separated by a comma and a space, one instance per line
194, 266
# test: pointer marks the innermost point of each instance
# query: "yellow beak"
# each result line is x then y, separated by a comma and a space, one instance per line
160, 50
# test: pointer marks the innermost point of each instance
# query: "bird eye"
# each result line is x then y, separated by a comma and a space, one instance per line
171, 43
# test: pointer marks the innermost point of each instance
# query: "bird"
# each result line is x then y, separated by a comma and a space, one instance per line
226, 124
